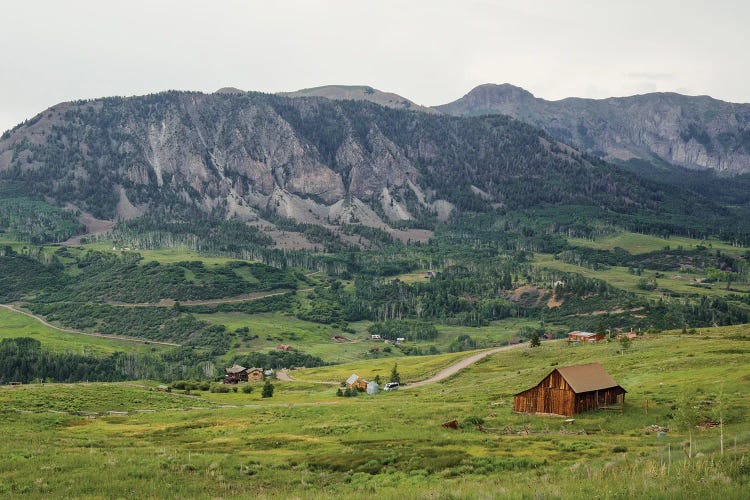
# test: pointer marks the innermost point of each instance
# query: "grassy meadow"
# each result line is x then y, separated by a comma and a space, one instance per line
162, 255
277, 328
306, 442
14, 324
670, 283
636, 243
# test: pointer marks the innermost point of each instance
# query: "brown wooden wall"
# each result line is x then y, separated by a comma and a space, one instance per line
554, 395
551, 395
596, 399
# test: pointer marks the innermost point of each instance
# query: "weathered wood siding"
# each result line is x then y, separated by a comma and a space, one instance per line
554, 395
551, 395
596, 399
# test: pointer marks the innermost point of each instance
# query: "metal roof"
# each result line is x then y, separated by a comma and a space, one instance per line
235, 369
353, 378
589, 377
583, 334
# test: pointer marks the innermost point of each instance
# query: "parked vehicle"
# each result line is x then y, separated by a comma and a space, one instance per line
391, 386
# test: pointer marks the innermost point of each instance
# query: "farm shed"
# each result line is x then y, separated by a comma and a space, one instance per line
585, 337
571, 389
356, 383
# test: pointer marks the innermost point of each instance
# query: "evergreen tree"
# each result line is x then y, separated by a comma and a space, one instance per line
535, 340
395, 375
267, 389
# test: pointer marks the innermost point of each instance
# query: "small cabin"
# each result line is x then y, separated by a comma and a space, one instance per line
375, 337
354, 382
236, 373
585, 337
570, 390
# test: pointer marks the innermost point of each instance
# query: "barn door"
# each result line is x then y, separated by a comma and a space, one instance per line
556, 401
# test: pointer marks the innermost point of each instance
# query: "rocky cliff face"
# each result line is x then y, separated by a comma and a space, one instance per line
243, 155
693, 132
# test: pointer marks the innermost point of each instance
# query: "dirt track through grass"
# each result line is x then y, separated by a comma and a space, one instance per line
207, 302
79, 332
464, 363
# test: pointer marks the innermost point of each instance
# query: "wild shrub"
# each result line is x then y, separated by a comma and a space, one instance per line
267, 389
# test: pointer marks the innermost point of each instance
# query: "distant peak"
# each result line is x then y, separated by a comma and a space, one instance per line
229, 90
501, 89
360, 93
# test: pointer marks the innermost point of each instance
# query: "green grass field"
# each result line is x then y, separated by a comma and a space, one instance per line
273, 329
411, 368
670, 283
14, 324
306, 442
415, 277
164, 255
643, 243
495, 333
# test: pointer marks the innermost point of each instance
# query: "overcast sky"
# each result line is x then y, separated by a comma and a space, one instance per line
430, 51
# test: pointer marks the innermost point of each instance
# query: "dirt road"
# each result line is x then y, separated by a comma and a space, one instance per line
464, 363
249, 297
79, 332
441, 375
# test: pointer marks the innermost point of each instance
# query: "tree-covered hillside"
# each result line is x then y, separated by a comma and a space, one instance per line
190, 155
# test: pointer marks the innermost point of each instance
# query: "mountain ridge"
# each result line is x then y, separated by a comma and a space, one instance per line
688, 131
316, 160
359, 93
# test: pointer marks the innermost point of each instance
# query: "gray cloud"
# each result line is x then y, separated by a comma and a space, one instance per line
431, 51
650, 75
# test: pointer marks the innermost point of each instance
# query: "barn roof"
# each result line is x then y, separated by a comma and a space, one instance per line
583, 334
589, 377
353, 378
235, 369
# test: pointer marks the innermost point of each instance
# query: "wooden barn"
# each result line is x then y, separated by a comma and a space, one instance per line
572, 389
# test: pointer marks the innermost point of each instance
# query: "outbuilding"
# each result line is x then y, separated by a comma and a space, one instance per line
570, 390
585, 337
354, 382
237, 373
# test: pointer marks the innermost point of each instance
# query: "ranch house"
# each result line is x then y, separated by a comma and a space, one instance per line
237, 373
585, 337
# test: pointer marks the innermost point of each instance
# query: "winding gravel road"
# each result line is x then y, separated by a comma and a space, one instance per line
90, 334
461, 365
439, 376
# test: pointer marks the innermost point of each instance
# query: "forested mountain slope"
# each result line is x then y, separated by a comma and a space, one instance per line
310, 159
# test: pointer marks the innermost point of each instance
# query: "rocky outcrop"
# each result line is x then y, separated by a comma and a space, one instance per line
241, 155
693, 132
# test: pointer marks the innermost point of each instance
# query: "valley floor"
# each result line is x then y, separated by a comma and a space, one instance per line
128, 439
